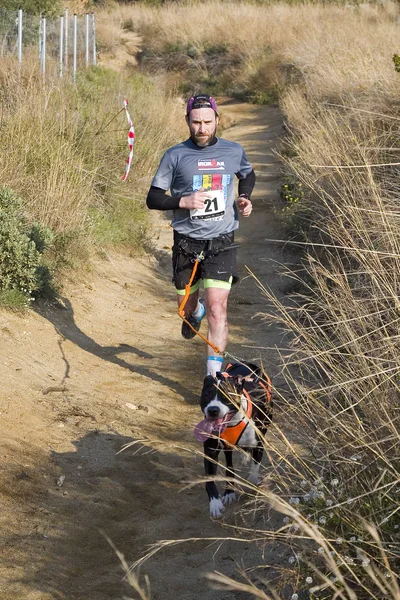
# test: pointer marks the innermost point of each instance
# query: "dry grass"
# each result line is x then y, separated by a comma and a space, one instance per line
66, 163
344, 365
255, 48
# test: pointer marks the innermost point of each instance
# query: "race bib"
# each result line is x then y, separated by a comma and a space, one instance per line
214, 207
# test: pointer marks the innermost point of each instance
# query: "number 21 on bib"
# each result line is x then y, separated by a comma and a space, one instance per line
213, 207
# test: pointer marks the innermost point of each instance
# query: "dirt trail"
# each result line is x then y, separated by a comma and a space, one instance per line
106, 367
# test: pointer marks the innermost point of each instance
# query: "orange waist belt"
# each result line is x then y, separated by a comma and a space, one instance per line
233, 433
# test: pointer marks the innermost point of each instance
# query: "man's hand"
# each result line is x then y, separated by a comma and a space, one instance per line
245, 206
195, 200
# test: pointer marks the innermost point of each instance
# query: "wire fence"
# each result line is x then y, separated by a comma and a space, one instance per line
62, 46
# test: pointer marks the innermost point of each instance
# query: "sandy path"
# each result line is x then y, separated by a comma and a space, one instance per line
67, 376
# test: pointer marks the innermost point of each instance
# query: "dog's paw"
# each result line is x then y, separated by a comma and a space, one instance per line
229, 498
216, 508
254, 474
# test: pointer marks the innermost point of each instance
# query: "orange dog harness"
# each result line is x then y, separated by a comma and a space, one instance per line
232, 434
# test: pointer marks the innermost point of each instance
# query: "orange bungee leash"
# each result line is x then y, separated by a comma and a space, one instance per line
181, 309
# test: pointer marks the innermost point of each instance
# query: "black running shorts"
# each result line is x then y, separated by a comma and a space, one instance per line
217, 269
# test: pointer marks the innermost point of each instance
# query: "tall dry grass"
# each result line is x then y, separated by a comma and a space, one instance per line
249, 49
344, 363
62, 156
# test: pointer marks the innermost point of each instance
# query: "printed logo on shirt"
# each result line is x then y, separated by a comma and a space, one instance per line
211, 164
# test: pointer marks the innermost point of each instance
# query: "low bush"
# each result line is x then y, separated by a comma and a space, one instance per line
22, 273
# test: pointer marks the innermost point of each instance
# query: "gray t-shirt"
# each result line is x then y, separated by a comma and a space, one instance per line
186, 168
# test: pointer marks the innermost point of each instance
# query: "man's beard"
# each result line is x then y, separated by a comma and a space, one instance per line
203, 140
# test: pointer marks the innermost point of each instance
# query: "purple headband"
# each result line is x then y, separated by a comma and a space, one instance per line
201, 101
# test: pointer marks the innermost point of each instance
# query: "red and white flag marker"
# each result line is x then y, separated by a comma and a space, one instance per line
131, 141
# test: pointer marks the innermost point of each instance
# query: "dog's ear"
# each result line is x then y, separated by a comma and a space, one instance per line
209, 390
209, 381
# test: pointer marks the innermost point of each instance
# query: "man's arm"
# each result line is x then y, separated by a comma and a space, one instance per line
158, 199
246, 185
245, 188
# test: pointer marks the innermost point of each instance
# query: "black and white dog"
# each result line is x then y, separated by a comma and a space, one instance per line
238, 409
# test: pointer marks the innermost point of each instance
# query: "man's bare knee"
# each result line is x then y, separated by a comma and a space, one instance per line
217, 311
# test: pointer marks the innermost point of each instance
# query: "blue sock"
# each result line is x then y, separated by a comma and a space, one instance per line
200, 311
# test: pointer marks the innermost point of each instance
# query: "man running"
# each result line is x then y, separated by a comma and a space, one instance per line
200, 176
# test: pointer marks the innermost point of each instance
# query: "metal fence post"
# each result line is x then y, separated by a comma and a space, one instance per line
94, 39
20, 37
40, 39
61, 45
75, 46
87, 40
66, 38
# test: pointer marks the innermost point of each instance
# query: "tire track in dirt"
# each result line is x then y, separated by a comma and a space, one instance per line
69, 377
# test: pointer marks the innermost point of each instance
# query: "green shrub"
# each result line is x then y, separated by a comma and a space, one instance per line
294, 215
396, 61
291, 189
21, 272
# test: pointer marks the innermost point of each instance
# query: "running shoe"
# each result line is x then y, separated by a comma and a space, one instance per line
195, 322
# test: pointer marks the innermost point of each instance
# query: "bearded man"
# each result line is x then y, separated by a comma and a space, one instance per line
200, 175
